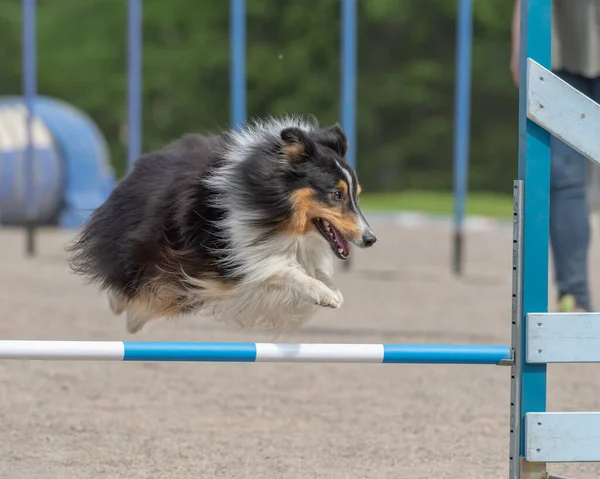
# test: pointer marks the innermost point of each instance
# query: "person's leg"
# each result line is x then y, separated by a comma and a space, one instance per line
569, 216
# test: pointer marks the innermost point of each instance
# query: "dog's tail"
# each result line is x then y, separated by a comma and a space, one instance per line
95, 253
84, 253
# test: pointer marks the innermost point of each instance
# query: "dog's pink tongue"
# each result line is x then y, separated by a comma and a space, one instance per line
340, 241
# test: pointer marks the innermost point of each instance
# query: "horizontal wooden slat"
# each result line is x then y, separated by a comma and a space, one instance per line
562, 437
563, 111
563, 338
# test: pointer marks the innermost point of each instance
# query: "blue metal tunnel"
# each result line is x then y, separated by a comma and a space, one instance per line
72, 171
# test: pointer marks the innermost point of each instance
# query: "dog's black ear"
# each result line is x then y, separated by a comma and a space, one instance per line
335, 138
297, 146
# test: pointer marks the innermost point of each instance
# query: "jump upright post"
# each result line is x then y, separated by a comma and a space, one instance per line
547, 105
530, 267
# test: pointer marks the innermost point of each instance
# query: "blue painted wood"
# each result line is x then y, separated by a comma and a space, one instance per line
534, 170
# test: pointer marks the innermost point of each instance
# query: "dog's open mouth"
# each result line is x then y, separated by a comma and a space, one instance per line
338, 244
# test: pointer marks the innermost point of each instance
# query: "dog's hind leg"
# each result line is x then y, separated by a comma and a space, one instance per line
147, 307
116, 303
138, 312
136, 320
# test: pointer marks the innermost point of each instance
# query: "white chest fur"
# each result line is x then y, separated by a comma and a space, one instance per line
285, 280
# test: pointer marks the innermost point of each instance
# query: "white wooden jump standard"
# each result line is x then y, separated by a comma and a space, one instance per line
547, 105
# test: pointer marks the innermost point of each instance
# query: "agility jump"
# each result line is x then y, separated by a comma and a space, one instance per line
547, 106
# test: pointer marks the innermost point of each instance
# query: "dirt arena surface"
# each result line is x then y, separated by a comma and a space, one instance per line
88, 420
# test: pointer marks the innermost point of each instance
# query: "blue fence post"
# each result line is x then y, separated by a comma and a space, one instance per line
462, 123
29, 88
237, 72
534, 171
134, 81
348, 76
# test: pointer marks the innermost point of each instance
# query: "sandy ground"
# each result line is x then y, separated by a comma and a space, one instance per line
69, 420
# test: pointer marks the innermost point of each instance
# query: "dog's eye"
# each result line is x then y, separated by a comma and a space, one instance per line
337, 195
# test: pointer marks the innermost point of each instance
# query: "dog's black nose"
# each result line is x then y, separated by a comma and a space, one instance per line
369, 239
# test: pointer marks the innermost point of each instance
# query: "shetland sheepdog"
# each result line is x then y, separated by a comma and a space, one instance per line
243, 225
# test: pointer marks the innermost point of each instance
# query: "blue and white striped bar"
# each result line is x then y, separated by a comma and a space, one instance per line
256, 352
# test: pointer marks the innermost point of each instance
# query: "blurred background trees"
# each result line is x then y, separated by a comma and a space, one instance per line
406, 58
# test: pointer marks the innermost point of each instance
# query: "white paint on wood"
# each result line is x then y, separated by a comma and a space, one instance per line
563, 338
562, 437
563, 111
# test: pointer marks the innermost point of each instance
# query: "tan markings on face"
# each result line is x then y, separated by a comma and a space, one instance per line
305, 209
293, 151
358, 190
343, 187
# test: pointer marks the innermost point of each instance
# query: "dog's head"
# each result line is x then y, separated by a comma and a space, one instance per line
324, 189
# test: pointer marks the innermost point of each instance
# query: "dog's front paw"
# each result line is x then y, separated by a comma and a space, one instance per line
321, 295
329, 300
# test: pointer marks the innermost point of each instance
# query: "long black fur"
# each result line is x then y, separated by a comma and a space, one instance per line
159, 206
161, 219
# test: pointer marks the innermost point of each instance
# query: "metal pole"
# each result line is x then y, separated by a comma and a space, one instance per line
237, 83
462, 122
29, 87
348, 81
348, 76
534, 171
134, 82
516, 331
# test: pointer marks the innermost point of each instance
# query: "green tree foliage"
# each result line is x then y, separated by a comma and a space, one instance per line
405, 86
